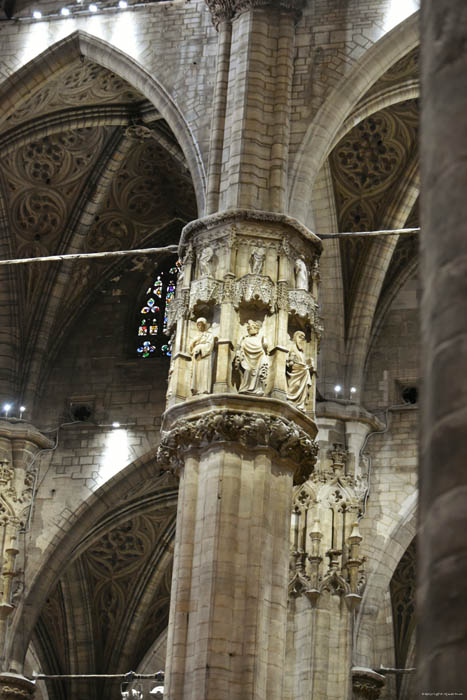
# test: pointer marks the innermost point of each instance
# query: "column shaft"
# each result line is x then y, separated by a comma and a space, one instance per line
442, 607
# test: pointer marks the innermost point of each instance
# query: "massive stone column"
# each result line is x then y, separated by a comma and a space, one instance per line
442, 574
239, 426
239, 429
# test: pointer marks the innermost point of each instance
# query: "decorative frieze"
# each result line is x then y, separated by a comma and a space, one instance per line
251, 430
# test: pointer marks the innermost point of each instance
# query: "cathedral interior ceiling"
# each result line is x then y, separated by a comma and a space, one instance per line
367, 166
87, 165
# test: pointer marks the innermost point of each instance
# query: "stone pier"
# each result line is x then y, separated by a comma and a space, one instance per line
442, 575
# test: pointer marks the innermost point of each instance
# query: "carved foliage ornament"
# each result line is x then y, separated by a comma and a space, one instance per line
302, 304
366, 688
255, 288
248, 429
225, 10
206, 290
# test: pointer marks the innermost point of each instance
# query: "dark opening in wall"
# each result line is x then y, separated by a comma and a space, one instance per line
81, 412
410, 394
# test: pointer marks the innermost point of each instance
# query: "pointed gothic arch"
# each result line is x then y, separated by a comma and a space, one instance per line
133, 489
322, 132
18, 87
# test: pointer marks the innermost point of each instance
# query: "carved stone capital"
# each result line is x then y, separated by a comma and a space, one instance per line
15, 687
225, 10
247, 429
366, 683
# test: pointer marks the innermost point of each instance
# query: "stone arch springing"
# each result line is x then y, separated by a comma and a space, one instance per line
30, 77
321, 134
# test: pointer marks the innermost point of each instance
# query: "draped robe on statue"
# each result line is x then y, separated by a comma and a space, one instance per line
298, 378
253, 362
201, 349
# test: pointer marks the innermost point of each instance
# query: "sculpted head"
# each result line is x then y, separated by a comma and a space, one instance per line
201, 324
299, 339
253, 327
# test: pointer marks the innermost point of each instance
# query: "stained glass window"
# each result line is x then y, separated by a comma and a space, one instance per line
152, 338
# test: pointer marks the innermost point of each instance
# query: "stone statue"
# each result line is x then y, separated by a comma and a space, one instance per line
301, 274
201, 354
205, 262
257, 258
299, 372
251, 360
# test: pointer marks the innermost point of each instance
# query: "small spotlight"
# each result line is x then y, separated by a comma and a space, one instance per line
337, 388
37, 14
21, 411
122, 4
115, 424
7, 408
65, 11
353, 390
92, 8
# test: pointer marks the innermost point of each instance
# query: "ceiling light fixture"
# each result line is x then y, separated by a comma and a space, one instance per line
65, 11
37, 14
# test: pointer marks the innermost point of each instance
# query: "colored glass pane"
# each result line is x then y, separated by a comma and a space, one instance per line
160, 295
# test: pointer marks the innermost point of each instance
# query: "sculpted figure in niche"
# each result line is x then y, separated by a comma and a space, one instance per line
251, 360
258, 256
299, 371
205, 262
301, 274
201, 354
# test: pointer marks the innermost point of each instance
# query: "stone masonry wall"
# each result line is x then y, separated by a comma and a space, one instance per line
393, 361
97, 366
